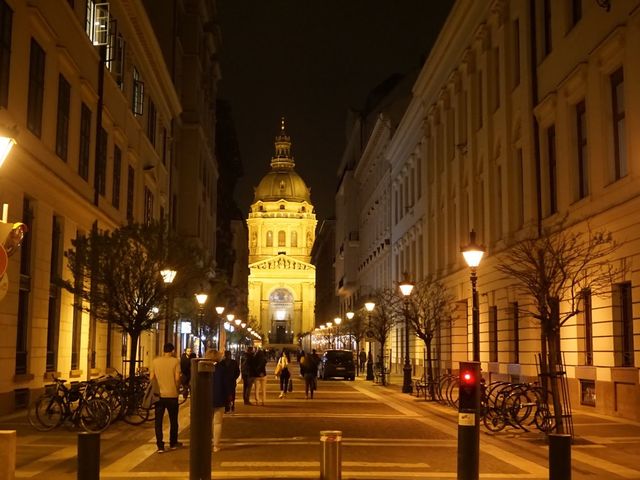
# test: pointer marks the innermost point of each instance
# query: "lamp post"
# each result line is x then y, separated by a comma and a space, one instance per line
201, 298
338, 321
472, 255
168, 276
369, 306
329, 324
406, 287
219, 311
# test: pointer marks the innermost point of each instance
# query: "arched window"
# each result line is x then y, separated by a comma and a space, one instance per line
282, 238
294, 239
269, 238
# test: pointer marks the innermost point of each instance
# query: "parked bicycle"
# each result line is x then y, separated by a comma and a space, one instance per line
76, 403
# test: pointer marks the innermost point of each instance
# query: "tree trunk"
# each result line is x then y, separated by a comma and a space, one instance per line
133, 354
553, 341
427, 344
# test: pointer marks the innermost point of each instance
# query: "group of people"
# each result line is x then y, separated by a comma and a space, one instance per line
169, 372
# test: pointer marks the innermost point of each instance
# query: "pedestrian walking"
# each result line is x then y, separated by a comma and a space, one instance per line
185, 369
259, 373
363, 359
232, 371
282, 372
220, 395
309, 369
166, 371
247, 379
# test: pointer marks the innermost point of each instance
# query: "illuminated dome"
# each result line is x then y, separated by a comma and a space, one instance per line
282, 182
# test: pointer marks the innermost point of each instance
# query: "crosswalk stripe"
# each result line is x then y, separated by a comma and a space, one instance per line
317, 464
40, 465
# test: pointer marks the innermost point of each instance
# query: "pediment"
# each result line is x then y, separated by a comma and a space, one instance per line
281, 262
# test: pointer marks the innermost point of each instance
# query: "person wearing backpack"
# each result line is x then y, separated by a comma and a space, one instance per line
282, 372
309, 366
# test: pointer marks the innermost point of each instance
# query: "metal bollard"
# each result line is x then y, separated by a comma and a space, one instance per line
559, 456
88, 456
331, 455
7, 454
201, 408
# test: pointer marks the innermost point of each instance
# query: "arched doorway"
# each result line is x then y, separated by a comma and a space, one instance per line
281, 316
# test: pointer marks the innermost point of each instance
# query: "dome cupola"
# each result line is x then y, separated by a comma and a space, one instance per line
282, 182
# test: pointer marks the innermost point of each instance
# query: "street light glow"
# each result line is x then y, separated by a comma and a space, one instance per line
201, 298
6, 144
230, 317
350, 315
168, 275
473, 252
369, 305
406, 286
219, 310
337, 321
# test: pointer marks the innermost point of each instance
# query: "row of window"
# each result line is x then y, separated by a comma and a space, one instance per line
282, 239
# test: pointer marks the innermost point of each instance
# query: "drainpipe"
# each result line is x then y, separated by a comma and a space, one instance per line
535, 100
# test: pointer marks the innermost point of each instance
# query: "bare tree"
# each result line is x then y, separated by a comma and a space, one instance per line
430, 309
554, 270
116, 275
357, 328
383, 319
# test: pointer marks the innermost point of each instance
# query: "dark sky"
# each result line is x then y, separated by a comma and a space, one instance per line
309, 61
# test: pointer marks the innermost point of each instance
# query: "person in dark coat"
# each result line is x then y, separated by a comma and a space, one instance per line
309, 369
245, 370
232, 371
220, 395
185, 369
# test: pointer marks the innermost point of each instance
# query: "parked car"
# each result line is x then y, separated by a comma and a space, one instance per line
337, 363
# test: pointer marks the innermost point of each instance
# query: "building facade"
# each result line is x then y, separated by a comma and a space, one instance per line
281, 225
522, 118
92, 107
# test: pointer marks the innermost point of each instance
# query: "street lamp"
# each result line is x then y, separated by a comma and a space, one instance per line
473, 253
329, 324
350, 316
201, 298
168, 275
369, 305
338, 321
406, 287
7, 141
219, 311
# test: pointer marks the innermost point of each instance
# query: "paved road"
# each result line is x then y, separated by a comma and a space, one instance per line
387, 435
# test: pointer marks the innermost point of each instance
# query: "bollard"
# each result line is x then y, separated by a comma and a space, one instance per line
201, 408
330, 455
88, 456
559, 456
7, 454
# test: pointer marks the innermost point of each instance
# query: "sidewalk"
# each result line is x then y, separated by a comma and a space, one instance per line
600, 441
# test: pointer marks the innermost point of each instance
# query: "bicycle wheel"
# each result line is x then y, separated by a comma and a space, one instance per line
544, 420
95, 415
183, 393
493, 419
134, 414
46, 413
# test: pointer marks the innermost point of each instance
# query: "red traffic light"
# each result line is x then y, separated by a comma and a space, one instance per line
467, 378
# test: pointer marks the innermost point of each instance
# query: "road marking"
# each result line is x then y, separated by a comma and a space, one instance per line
317, 464
503, 455
300, 474
607, 440
138, 455
345, 443
601, 464
325, 415
44, 463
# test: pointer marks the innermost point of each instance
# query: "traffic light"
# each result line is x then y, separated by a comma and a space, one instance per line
469, 390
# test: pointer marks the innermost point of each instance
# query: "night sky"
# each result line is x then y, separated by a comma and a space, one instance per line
310, 61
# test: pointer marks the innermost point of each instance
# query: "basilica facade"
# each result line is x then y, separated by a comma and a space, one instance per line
281, 228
